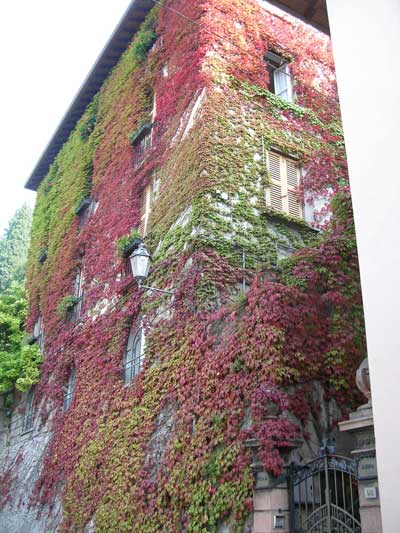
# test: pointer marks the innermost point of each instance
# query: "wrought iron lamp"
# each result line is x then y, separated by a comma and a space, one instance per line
140, 264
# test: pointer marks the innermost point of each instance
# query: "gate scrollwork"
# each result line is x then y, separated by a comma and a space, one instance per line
324, 496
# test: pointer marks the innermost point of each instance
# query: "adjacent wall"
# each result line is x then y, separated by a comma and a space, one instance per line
366, 46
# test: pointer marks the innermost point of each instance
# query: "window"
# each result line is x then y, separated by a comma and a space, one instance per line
79, 292
280, 79
134, 354
28, 419
284, 174
143, 138
142, 141
149, 196
69, 390
38, 333
85, 210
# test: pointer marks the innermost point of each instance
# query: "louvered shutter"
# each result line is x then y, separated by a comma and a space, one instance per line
146, 209
292, 179
274, 191
282, 194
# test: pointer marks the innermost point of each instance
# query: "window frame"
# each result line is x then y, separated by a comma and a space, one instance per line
278, 65
69, 390
133, 359
149, 196
87, 208
38, 333
28, 420
142, 145
144, 139
79, 291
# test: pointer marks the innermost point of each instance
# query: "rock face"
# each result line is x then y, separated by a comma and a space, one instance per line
205, 148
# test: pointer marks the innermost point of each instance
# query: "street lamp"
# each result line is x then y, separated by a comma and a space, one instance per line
140, 264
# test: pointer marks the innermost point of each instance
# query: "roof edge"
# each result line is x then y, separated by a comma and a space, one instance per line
108, 58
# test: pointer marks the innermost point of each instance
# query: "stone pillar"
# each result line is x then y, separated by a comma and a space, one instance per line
361, 426
271, 503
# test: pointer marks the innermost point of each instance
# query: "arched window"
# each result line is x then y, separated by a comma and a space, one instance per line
27, 421
134, 354
69, 390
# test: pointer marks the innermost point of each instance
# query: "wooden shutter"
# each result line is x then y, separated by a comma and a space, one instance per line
146, 209
274, 191
284, 174
293, 180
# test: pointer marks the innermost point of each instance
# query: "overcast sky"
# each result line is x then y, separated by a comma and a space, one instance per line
47, 49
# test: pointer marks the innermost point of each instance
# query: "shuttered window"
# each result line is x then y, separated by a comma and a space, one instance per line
284, 174
145, 209
149, 196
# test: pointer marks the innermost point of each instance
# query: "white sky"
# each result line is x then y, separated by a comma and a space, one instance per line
47, 49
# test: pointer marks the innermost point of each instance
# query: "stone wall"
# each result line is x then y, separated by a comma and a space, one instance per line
21, 460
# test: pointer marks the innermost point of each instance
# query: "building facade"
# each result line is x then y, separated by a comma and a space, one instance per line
215, 139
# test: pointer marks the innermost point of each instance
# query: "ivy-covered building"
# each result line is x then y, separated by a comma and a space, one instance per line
210, 131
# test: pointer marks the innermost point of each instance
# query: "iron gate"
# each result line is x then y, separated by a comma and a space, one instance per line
324, 496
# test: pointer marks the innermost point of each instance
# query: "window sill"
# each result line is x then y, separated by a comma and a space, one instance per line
281, 216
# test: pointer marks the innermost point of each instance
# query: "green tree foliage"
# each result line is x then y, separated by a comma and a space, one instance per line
19, 362
14, 248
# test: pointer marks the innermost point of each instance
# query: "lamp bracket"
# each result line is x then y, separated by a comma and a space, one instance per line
164, 291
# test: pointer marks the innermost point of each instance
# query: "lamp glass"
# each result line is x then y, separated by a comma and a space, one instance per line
140, 263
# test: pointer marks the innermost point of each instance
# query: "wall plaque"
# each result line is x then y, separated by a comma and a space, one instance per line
367, 468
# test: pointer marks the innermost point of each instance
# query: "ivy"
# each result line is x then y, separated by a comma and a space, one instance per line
169, 452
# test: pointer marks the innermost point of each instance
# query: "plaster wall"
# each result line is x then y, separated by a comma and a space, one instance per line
370, 117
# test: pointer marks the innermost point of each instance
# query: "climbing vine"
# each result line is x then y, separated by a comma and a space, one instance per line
169, 452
